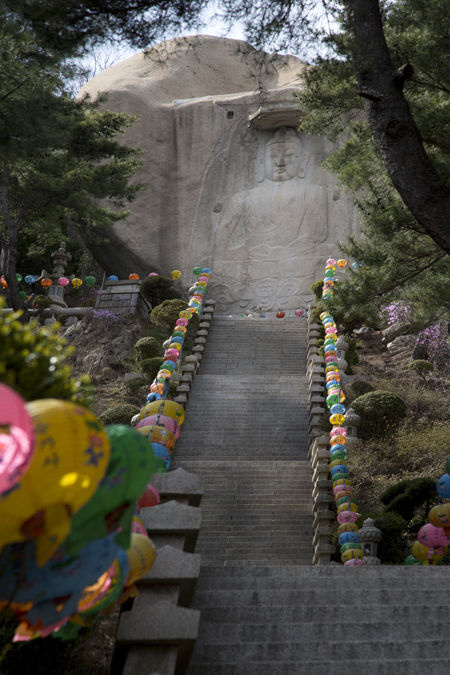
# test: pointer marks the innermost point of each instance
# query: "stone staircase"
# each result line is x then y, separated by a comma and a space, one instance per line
264, 607
245, 435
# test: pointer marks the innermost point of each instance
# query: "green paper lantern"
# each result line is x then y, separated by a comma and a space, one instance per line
131, 464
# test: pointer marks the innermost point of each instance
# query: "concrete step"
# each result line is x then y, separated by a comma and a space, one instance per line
281, 652
433, 666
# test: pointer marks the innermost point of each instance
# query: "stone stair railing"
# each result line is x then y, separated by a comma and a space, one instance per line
191, 364
157, 630
324, 517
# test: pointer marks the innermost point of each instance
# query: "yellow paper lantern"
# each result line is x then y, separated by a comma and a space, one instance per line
168, 408
141, 556
76, 283
71, 454
176, 274
158, 434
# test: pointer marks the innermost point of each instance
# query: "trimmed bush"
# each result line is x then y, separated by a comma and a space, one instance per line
119, 413
147, 348
358, 388
316, 288
42, 302
408, 496
420, 367
157, 289
351, 355
151, 366
380, 412
166, 314
393, 546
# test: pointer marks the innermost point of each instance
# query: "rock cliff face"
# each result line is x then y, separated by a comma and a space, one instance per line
230, 183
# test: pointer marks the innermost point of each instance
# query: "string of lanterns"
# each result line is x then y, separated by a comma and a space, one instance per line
433, 538
160, 419
71, 543
347, 511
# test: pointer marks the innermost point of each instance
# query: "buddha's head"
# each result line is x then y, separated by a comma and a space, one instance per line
284, 158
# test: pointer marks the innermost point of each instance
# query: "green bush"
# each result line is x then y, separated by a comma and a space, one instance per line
420, 367
157, 289
358, 388
166, 314
408, 496
151, 366
393, 546
33, 362
380, 412
42, 302
147, 348
119, 413
316, 288
351, 355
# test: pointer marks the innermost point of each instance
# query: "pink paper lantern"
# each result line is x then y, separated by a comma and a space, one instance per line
182, 322
299, 312
161, 421
434, 538
150, 497
153, 274
347, 517
16, 438
354, 562
63, 281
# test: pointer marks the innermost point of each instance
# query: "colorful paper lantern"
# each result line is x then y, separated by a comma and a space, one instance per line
176, 274
440, 517
76, 283
169, 408
150, 497
113, 277
111, 508
280, 315
30, 279
133, 276
90, 280
16, 438
443, 486
141, 556
71, 455
46, 282
63, 281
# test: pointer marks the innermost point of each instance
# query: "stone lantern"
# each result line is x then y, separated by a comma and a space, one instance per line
351, 423
60, 259
370, 536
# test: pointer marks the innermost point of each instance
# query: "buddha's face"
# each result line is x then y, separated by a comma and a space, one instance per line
282, 160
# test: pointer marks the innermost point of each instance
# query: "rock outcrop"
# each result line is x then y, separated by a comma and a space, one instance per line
230, 182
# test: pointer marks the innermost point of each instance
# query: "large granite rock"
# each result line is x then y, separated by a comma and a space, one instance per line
230, 182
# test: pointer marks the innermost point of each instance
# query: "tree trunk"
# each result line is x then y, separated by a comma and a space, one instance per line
393, 126
15, 300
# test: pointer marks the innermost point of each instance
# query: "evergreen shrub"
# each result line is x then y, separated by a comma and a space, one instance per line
119, 413
147, 348
34, 362
380, 412
166, 314
151, 366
